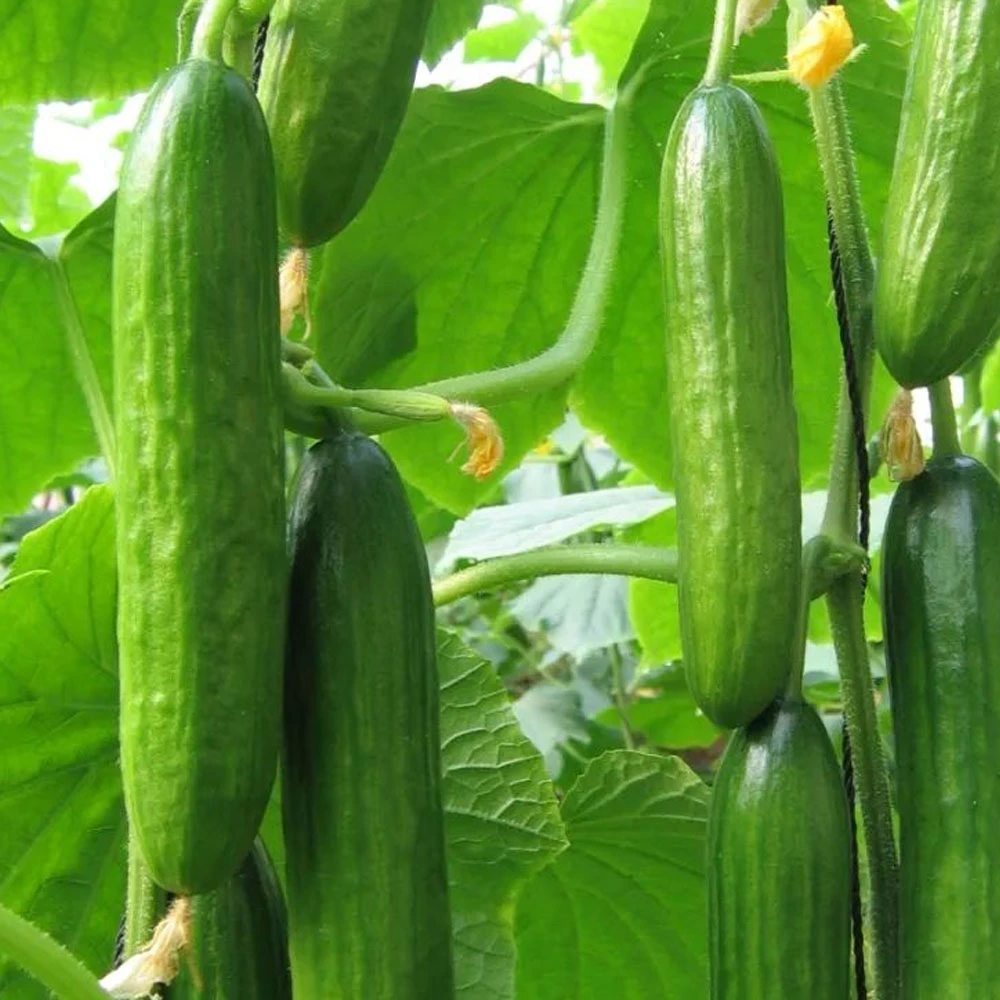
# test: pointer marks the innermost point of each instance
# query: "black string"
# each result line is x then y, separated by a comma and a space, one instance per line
258, 51
864, 530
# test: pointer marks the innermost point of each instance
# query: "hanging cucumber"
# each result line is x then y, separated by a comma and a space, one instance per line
335, 83
364, 828
937, 300
199, 493
732, 415
941, 607
779, 864
239, 939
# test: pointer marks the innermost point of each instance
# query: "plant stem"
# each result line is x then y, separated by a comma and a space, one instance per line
83, 363
50, 963
620, 696
845, 598
210, 29
946, 440
647, 561
146, 902
720, 56
844, 603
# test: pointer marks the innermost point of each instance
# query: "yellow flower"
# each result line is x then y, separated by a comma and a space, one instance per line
900, 441
822, 47
483, 438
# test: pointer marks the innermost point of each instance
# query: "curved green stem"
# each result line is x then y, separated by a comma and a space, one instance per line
845, 599
83, 363
48, 962
559, 363
186, 21
649, 562
720, 56
145, 903
210, 29
946, 440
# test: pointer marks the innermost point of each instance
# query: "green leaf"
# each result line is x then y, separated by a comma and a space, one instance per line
57, 204
44, 424
608, 30
83, 48
502, 822
502, 42
623, 387
622, 912
663, 710
62, 851
653, 606
477, 232
450, 20
17, 127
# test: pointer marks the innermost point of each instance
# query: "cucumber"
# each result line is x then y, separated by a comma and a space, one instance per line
239, 939
335, 84
779, 864
199, 492
937, 300
732, 415
941, 607
361, 779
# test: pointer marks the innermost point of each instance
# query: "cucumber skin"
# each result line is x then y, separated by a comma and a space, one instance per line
239, 941
779, 864
200, 497
732, 414
364, 829
937, 300
941, 608
335, 84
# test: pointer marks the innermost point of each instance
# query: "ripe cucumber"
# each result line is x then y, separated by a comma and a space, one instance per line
364, 829
937, 300
941, 607
199, 491
779, 864
732, 415
335, 84
239, 940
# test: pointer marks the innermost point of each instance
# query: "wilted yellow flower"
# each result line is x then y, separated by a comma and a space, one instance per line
483, 438
822, 47
293, 288
751, 14
900, 442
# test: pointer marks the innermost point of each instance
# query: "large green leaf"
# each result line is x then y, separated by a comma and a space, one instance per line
450, 20
63, 846
621, 913
16, 132
465, 258
44, 424
73, 49
622, 390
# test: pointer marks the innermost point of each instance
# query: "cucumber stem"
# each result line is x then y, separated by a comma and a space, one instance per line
646, 561
720, 56
946, 440
845, 598
48, 962
145, 903
210, 29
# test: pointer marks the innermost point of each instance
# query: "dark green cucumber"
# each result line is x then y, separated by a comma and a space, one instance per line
364, 829
937, 300
239, 939
732, 415
941, 606
779, 864
199, 488
335, 84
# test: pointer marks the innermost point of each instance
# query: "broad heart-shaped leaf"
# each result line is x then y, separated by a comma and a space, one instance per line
62, 850
466, 257
502, 821
74, 49
622, 390
621, 913
45, 427
16, 132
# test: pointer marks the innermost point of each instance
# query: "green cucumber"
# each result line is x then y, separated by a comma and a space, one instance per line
732, 414
335, 84
937, 300
239, 939
200, 487
779, 855
941, 607
361, 779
